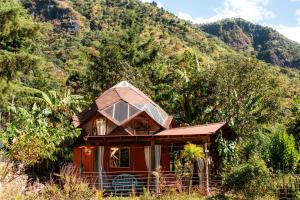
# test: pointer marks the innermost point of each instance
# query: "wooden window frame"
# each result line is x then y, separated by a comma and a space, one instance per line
96, 126
119, 167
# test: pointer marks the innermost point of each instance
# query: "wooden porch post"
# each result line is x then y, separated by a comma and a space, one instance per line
206, 168
100, 153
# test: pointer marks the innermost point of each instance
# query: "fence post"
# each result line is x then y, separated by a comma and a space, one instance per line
206, 168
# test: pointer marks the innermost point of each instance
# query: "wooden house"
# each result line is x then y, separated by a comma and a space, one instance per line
126, 137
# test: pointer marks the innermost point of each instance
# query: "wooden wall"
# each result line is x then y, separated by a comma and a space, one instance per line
86, 157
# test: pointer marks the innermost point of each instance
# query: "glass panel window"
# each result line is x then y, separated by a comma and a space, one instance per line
119, 157
101, 126
109, 110
121, 111
132, 110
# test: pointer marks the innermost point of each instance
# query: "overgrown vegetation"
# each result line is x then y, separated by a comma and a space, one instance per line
55, 60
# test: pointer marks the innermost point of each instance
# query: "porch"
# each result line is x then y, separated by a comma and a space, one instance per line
128, 182
121, 170
123, 163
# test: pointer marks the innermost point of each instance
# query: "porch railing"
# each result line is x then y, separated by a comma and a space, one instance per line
127, 182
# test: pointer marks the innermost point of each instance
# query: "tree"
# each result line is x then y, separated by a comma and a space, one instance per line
294, 123
20, 41
119, 55
190, 154
251, 178
32, 136
63, 103
246, 93
224, 154
21, 53
283, 154
183, 90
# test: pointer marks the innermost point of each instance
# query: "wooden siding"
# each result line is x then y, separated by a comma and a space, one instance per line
85, 157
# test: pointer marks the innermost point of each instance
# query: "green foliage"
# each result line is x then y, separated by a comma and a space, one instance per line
192, 152
58, 103
20, 39
225, 154
251, 179
263, 42
257, 143
118, 55
32, 136
22, 59
246, 93
283, 154
294, 123
95, 44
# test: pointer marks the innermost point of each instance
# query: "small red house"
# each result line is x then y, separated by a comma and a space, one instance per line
126, 137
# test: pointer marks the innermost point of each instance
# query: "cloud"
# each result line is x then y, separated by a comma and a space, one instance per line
252, 10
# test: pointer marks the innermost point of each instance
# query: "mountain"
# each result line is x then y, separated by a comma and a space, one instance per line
263, 42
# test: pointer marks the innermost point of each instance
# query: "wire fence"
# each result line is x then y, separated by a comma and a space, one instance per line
287, 187
126, 182
283, 187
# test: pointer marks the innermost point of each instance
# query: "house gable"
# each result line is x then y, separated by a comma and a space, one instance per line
121, 103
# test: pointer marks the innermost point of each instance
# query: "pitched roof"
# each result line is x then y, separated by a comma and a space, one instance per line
121, 102
206, 129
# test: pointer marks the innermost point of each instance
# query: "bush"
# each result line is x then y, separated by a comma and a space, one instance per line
283, 153
249, 179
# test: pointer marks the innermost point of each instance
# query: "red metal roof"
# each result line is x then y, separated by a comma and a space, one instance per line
206, 129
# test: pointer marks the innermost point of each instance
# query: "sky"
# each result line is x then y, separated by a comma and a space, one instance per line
282, 15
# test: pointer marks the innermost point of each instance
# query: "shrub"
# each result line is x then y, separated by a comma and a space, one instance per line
249, 179
283, 153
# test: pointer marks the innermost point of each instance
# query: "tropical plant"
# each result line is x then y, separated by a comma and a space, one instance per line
294, 123
224, 152
283, 153
257, 143
190, 154
243, 94
251, 179
58, 103
32, 136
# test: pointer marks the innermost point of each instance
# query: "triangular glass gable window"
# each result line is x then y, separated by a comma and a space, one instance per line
121, 111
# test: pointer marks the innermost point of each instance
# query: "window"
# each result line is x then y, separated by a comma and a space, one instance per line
121, 111
141, 126
101, 126
119, 157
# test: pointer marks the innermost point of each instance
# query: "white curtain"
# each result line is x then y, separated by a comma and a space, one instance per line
100, 165
157, 150
148, 157
147, 151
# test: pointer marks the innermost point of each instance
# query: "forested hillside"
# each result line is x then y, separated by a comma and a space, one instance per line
88, 46
263, 42
56, 56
